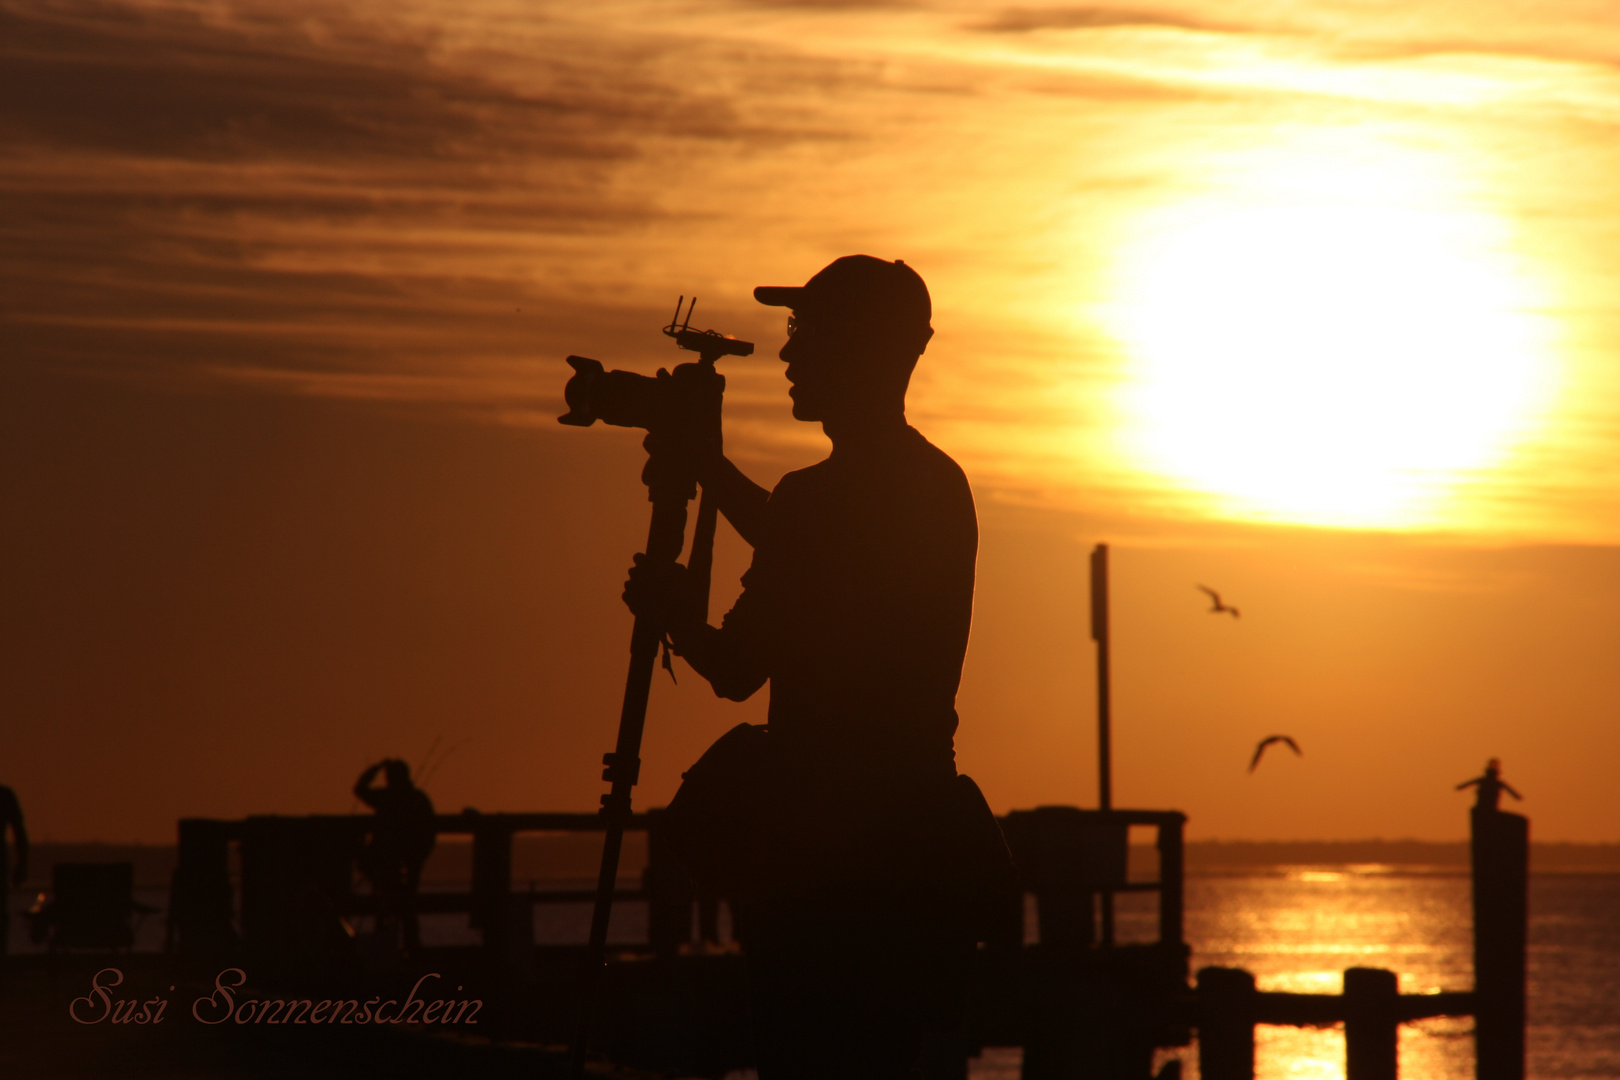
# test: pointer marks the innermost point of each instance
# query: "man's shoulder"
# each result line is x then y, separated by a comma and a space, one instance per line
915, 463
933, 458
802, 481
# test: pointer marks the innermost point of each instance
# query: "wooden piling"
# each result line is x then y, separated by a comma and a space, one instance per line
1371, 1024
1099, 634
1226, 1014
200, 895
1501, 864
1170, 881
492, 883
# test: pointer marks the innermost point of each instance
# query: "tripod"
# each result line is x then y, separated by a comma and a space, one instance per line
670, 486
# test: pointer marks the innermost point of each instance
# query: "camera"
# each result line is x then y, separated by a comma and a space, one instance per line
625, 399
621, 398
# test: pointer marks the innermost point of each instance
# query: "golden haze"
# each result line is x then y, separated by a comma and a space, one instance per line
1314, 305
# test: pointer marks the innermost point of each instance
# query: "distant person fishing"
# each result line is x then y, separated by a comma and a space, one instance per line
11, 876
402, 836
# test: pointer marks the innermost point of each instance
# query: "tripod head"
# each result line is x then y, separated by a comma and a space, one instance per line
710, 345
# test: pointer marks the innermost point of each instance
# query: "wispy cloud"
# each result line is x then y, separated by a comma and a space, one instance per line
421, 202
169, 82
203, 190
1096, 17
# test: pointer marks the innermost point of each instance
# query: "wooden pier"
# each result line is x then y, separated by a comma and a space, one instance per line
1053, 980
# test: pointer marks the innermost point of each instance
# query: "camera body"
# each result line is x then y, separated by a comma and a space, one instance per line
625, 399
671, 401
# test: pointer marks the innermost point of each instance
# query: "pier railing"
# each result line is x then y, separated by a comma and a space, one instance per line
1080, 1002
1076, 861
1073, 862
296, 871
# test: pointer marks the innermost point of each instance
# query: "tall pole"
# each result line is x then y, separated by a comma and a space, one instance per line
1099, 634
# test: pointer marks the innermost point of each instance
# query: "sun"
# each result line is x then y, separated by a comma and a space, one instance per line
1331, 337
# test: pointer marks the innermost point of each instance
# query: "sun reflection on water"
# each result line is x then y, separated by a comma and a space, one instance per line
1300, 930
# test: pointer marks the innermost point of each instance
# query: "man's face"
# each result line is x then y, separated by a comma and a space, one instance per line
824, 366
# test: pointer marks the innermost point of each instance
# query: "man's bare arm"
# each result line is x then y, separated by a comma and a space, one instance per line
362, 786
712, 653
726, 656
739, 498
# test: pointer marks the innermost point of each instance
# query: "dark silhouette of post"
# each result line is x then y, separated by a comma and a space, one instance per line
1170, 880
1227, 1003
1105, 750
1099, 634
1371, 1023
200, 895
492, 884
1501, 862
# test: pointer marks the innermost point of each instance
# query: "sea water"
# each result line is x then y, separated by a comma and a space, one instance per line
1299, 928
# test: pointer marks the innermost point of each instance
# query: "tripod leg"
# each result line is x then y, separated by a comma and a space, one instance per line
700, 564
665, 537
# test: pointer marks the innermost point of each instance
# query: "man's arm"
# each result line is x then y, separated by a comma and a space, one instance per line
739, 498
695, 441
730, 656
362, 787
723, 656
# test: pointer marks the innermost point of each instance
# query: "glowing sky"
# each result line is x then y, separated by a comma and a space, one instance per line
1316, 299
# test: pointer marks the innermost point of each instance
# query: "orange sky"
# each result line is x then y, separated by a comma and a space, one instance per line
1315, 308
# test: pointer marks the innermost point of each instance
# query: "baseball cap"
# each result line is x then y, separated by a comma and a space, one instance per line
861, 287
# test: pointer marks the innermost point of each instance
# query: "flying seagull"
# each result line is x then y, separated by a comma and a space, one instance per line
1267, 741
1218, 607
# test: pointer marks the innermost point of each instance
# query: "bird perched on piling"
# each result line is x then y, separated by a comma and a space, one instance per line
1490, 785
1217, 607
1267, 741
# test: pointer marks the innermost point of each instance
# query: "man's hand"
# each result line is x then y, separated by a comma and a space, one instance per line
659, 591
688, 432
694, 452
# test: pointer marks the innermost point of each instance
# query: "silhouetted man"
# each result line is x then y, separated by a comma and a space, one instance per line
400, 841
856, 610
11, 817
1490, 786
